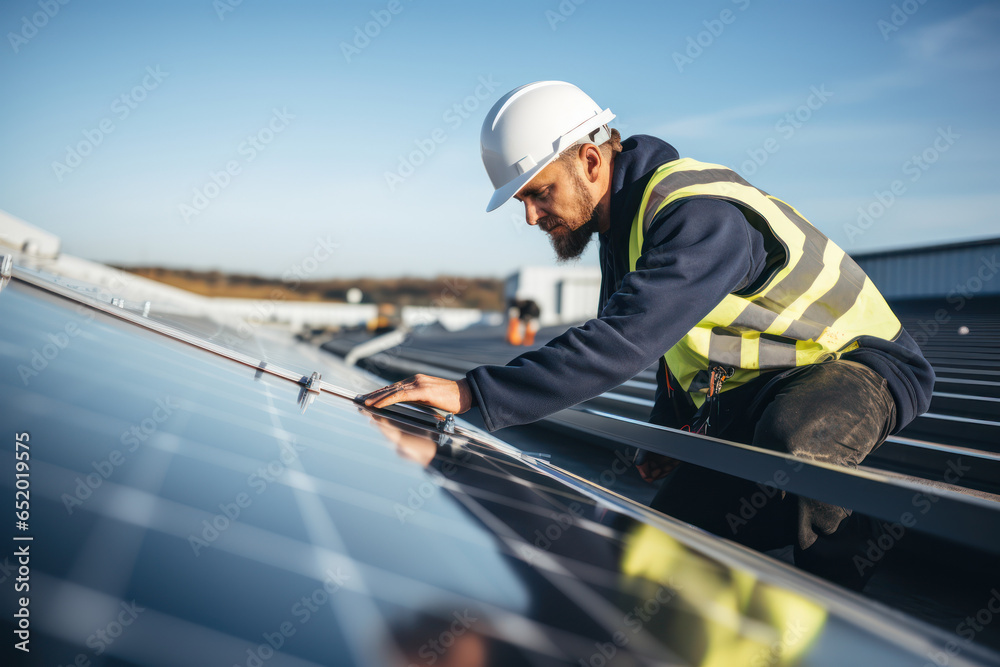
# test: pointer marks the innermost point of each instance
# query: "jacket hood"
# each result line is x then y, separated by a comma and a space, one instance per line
641, 155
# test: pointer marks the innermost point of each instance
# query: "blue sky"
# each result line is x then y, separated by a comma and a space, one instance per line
887, 107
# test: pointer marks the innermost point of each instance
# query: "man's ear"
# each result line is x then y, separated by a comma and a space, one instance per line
592, 161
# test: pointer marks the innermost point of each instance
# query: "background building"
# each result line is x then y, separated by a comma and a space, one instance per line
564, 294
953, 271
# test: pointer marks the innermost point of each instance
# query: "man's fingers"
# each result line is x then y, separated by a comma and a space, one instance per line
656, 467
388, 430
387, 396
369, 399
405, 390
390, 399
649, 477
423, 389
373, 398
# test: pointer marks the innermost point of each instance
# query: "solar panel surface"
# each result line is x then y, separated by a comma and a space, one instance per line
188, 507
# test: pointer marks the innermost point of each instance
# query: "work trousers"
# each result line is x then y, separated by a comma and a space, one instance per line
837, 412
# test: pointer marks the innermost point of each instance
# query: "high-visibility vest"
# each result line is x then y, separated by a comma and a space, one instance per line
811, 307
739, 619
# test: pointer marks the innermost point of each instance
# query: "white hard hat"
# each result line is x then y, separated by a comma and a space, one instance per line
530, 126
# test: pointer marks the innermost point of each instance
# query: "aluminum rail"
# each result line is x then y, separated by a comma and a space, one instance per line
960, 517
943, 512
919, 458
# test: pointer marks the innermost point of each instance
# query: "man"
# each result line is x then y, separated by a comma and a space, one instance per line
766, 332
522, 321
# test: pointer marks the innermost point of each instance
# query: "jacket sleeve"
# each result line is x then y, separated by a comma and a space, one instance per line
694, 254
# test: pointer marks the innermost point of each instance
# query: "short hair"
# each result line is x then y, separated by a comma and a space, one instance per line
608, 148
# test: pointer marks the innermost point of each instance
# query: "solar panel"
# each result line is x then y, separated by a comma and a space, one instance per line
189, 506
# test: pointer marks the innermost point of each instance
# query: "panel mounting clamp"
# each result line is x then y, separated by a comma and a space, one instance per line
448, 424
311, 383
6, 269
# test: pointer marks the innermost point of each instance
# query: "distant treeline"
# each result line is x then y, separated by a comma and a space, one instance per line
484, 293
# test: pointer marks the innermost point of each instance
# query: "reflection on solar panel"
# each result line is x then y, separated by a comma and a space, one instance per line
195, 500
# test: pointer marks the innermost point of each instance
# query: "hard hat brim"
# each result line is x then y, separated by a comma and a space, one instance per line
501, 195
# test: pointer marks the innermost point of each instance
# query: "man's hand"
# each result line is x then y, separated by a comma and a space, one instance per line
419, 448
446, 395
656, 466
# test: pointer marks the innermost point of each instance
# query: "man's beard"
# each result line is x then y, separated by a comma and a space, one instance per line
570, 243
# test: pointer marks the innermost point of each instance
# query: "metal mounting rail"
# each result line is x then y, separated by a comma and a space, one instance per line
918, 458
943, 512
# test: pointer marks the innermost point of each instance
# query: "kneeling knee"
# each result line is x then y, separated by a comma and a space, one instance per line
793, 436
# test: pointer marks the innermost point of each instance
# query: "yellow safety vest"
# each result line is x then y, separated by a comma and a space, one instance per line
737, 619
811, 307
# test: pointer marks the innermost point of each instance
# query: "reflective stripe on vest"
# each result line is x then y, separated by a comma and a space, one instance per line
813, 307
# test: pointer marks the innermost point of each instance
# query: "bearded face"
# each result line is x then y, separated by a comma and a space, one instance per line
571, 235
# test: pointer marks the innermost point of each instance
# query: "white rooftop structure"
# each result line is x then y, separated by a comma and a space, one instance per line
34, 248
564, 294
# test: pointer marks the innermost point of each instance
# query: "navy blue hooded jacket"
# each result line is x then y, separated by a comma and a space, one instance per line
695, 253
